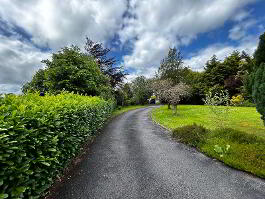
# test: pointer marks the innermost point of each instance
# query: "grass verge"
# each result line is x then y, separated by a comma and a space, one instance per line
236, 144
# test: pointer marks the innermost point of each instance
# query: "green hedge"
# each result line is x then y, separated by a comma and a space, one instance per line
40, 135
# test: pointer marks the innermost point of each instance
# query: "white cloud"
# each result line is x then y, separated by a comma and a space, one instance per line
51, 24
156, 25
56, 23
18, 62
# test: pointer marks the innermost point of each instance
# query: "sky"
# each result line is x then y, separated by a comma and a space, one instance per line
138, 32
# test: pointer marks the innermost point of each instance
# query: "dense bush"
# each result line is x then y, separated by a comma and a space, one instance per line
192, 135
39, 136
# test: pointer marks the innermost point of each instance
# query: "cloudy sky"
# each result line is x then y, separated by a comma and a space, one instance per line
139, 32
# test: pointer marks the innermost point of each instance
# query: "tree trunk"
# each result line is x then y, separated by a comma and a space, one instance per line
168, 106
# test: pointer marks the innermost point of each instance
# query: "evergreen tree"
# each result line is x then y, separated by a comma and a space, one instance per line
259, 54
259, 90
259, 78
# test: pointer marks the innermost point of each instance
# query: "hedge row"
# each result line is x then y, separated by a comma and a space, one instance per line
40, 135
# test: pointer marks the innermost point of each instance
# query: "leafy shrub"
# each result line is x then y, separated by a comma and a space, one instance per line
237, 100
39, 136
192, 135
240, 101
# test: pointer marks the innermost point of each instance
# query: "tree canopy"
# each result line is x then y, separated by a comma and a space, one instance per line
141, 89
171, 66
259, 54
106, 64
70, 70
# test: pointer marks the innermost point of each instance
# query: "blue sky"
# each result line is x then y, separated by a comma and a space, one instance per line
138, 32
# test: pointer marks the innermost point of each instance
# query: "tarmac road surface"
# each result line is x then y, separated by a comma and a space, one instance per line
135, 158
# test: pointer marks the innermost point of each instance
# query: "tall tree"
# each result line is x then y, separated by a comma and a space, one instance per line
259, 78
259, 90
106, 64
209, 75
70, 70
171, 66
37, 82
259, 54
141, 90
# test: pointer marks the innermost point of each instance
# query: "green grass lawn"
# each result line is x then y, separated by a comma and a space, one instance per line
124, 109
245, 119
242, 130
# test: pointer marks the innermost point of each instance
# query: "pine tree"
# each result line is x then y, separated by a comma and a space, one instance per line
259, 90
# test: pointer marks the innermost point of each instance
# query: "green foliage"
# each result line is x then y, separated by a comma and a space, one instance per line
172, 66
221, 150
197, 87
237, 100
230, 74
106, 64
37, 82
141, 89
259, 54
259, 90
192, 135
39, 135
70, 70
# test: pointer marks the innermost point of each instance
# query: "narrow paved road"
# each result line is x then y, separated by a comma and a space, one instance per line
134, 158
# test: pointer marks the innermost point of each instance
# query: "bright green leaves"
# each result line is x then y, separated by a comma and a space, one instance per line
39, 135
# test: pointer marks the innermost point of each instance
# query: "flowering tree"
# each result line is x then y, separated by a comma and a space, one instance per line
160, 88
176, 93
167, 92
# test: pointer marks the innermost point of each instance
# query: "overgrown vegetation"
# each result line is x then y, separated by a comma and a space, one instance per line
40, 135
240, 146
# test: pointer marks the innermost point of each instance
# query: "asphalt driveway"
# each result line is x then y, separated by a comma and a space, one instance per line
135, 158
